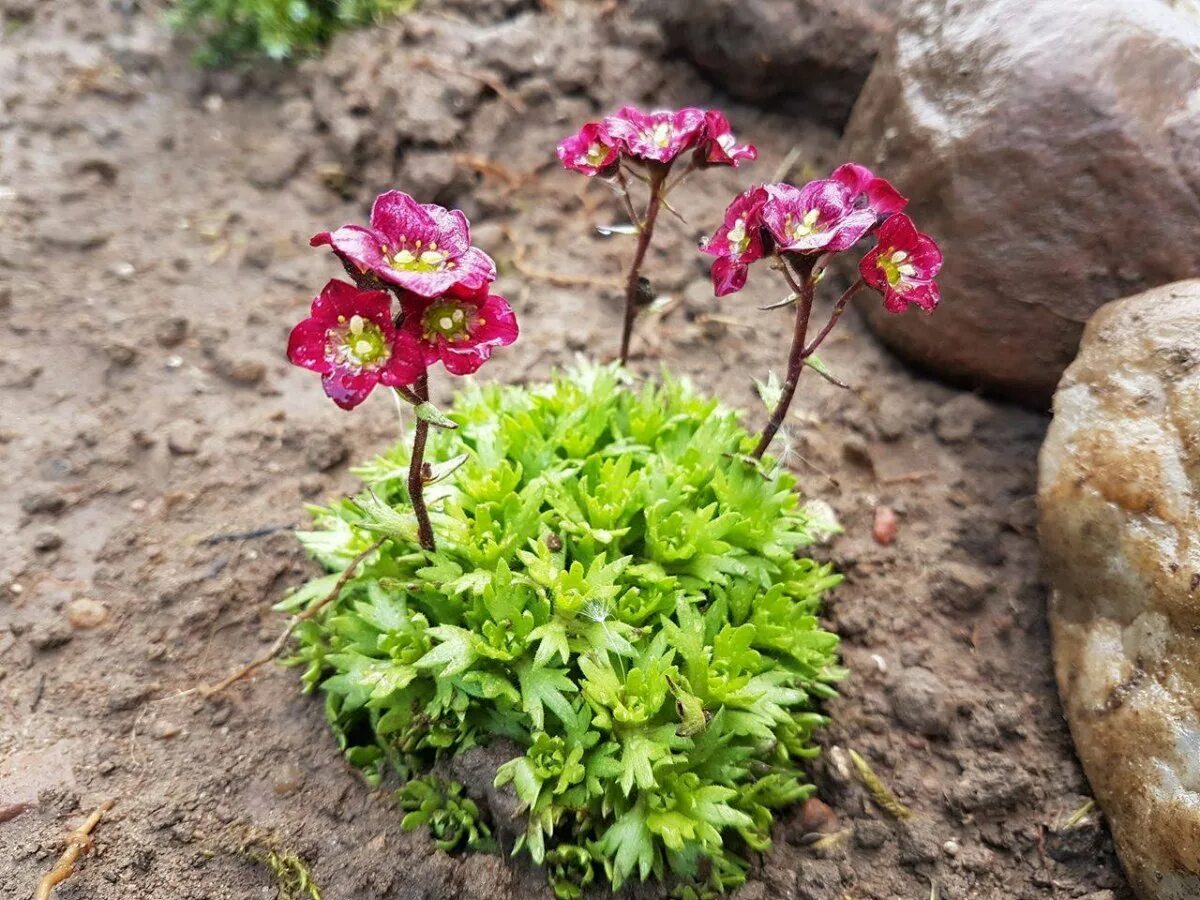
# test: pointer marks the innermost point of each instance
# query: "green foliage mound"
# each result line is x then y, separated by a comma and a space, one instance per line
616, 590
280, 29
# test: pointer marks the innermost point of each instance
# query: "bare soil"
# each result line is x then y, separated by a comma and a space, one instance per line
153, 256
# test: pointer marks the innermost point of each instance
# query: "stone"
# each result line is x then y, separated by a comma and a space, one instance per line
922, 703
46, 540
274, 163
818, 879
956, 420
1119, 474
325, 450
812, 55
86, 613
991, 783
183, 437
871, 834
1028, 135
170, 332
960, 587
919, 843
43, 502
49, 635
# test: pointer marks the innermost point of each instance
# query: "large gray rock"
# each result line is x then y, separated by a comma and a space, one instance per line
814, 53
1120, 526
1053, 149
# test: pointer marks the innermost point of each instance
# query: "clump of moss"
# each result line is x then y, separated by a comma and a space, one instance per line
620, 591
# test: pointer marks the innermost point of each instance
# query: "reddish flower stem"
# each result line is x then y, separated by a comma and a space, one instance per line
805, 290
416, 473
645, 233
838, 309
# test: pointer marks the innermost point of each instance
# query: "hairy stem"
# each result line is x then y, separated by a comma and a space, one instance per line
416, 473
645, 234
804, 289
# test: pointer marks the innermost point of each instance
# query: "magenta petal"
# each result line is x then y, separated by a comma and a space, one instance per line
926, 296
868, 268
464, 360
475, 269
898, 231
407, 362
306, 346
728, 276
349, 387
453, 230
926, 256
883, 199
497, 323
853, 176
395, 214
361, 246
850, 229
338, 298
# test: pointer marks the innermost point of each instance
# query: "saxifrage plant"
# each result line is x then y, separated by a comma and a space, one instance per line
609, 576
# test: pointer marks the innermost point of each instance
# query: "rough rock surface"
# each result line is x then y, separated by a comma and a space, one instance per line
1032, 135
1120, 527
813, 53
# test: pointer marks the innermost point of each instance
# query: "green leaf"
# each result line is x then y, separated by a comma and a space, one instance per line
546, 687
427, 412
630, 845
454, 653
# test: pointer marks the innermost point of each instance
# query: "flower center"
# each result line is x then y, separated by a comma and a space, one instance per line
895, 266
448, 320
417, 256
804, 227
739, 237
595, 155
358, 343
661, 134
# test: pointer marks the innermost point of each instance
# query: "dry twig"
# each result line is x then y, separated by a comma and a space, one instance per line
79, 842
281, 641
485, 78
558, 279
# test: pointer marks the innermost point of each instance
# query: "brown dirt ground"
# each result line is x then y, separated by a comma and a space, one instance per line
153, 226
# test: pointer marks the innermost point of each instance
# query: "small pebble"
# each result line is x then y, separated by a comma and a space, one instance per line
171, 332
183, 437
886, 525
46, 540
43, 502
951, 848
85, 613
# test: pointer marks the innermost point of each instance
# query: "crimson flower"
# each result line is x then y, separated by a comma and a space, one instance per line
817, 218
902, 266
422, 247
719, 147
738, 242
868, 190
593, 151
658, 136
351, 341
461, 331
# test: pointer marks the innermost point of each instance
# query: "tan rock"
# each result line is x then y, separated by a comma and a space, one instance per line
85, 613
1119, 504
1050, 147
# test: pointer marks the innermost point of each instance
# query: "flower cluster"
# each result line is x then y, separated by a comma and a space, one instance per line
422, 254
827, 216
656, 139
